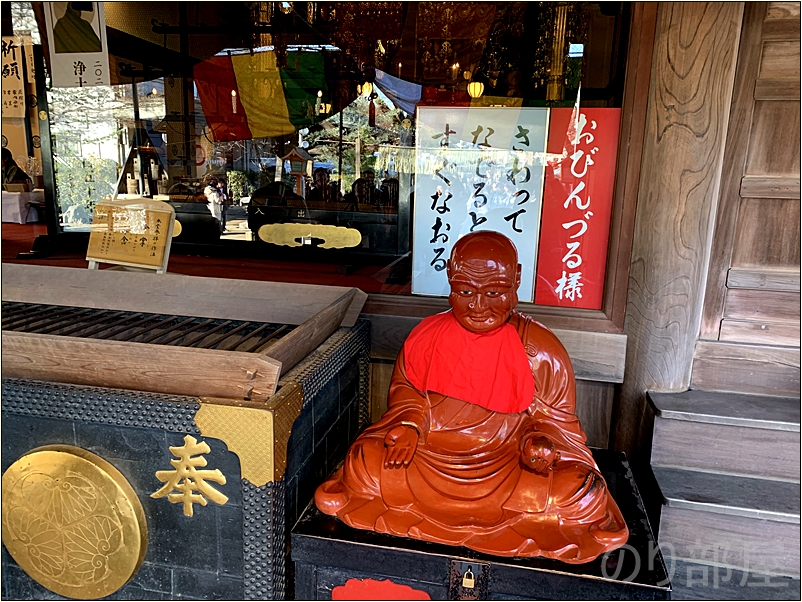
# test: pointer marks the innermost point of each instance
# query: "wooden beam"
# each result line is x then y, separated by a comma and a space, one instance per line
743, 368
291, 349
687, 120
176, 294
769, 187
769, 279
596, 356
628, 173
139, 366
415, 306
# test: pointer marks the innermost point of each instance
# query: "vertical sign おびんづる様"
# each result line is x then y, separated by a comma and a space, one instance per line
477, 169
76, 32
13, 78
577, 203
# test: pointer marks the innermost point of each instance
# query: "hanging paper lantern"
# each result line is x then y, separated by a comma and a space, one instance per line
476, 89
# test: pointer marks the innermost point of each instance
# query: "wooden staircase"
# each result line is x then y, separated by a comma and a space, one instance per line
728, 466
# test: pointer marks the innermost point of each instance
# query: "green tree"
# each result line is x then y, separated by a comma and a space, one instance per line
323, 139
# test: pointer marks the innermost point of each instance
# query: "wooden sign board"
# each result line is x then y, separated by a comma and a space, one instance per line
133, 233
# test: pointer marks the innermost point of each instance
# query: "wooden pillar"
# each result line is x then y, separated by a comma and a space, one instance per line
689, 103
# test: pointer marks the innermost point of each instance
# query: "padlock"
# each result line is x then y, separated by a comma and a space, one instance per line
468, 579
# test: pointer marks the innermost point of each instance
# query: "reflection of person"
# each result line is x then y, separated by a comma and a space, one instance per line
359, 194
389, 193
321, 188
72, 33
215, 201
480, 445
12, 173
372, 191
221, 193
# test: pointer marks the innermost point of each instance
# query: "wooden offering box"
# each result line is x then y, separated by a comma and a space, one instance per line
168, 334
271, 380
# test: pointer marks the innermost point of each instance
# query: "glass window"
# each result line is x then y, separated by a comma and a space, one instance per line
363, 135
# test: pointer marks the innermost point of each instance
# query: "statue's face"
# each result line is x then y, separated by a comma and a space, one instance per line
483, 288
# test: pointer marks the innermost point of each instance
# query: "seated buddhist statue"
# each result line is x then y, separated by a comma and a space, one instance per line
480, 445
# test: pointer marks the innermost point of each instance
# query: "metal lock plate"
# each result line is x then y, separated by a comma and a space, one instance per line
469, 580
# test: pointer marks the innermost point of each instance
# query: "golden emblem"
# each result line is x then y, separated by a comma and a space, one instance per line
294, 235
72, 522
186, 479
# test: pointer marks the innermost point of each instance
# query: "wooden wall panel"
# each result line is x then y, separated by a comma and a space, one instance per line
782, 10
776, 279
770, 187
780, 59
687, 120
380, 373
594, 408
745, 304
740, 120
774, 143
755, 369
596, 356
777, 89
760, 333
767, 234
594, 402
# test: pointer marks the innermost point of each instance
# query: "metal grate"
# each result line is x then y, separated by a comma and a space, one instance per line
138, 327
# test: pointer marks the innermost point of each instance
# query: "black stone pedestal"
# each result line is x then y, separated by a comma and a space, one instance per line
329, 554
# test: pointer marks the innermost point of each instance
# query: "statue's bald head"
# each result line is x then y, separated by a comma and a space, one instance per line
484, 246
484, 275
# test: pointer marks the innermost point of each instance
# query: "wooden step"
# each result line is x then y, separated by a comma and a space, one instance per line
729, 521
727, 433
699, 581
728, 494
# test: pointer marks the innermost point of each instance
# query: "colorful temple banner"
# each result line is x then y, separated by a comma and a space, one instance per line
247, 96
577, 202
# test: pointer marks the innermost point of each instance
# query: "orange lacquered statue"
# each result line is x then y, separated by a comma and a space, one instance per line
480, 445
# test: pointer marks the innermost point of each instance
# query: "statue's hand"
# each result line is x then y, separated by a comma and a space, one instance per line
400, 444
538, 453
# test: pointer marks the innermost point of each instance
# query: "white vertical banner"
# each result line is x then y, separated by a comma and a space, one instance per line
30, 69
13, 82
76, 33
477, 169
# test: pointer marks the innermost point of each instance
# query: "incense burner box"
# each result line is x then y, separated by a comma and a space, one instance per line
334, 561
180, 488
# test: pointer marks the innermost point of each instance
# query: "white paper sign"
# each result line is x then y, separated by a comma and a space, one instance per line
13, 78
76, 32
30, 69
477, 169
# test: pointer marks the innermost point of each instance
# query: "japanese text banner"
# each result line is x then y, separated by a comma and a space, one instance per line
13, 82
477, 169
577, 202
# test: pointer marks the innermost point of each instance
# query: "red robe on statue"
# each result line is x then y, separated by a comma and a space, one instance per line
474, 398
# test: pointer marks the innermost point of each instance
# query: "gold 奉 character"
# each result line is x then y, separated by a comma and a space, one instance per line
187, 479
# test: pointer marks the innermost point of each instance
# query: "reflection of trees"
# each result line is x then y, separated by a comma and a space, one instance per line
89, 126
24, 19
324, 138
84, 181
